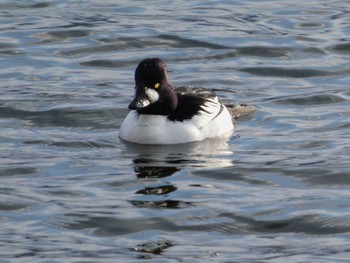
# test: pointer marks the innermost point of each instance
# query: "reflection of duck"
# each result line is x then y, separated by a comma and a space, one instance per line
162, 114
155, 165
153, 171
165, 160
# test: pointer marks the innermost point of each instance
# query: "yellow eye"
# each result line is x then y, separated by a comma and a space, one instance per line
156, 86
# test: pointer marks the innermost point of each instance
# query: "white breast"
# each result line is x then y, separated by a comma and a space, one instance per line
157, 129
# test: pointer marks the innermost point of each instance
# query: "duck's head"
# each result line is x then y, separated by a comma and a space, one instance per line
151, 84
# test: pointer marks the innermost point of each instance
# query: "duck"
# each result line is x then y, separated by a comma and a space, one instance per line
162, 114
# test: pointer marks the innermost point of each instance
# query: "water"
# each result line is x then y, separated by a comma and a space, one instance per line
276, 191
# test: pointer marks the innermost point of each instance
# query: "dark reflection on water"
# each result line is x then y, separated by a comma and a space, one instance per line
274, 191
153, 171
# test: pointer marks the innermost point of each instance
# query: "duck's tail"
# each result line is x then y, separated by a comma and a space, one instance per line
240, 110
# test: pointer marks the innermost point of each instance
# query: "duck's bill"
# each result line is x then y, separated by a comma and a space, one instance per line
143, 98
139, 103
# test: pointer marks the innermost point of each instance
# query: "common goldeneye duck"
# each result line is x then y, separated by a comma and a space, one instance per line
162, 114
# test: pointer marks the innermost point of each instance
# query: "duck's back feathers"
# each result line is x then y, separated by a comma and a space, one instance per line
191, 102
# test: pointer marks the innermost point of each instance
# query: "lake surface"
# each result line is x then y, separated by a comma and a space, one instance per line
276, 191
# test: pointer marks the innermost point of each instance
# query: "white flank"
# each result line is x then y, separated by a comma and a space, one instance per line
214, 121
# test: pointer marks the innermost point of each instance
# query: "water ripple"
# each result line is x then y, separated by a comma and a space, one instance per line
275, 191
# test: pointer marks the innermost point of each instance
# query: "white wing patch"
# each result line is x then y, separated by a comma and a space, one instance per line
210, 110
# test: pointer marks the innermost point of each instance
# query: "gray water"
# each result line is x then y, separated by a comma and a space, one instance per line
276, 191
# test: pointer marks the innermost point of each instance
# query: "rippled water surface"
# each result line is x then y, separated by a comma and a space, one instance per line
276, 191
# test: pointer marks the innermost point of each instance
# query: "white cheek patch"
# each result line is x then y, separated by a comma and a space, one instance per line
152, 95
